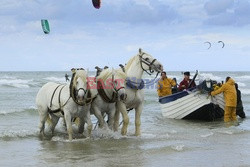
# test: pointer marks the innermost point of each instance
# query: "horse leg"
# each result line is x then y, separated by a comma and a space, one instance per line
138, 111
67, 117
43, 117
116, 118
54, 121
81, 125
111, 116
99, 116
64, 123
122, 108
88, 121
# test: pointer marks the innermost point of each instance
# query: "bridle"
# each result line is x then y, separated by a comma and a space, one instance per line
150, 71
146, 61
73, 93
77, 90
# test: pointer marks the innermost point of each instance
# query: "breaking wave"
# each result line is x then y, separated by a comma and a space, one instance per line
245, 91
56, 79
243, 77
18, 134
31, 109
210, 76
17, 83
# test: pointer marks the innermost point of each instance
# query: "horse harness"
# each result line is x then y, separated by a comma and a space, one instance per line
72, 95
59, 100
104, 96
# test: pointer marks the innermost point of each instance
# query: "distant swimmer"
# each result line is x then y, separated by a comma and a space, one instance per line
67, 77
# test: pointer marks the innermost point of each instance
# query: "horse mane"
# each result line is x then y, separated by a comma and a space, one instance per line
79, 74
104, 75
127, 66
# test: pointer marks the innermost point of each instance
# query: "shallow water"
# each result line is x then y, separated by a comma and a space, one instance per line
164, 142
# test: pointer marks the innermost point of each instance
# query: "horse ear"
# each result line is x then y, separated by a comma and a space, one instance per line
140, 51
73, 70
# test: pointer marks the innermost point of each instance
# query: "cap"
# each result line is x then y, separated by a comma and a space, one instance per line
187, 73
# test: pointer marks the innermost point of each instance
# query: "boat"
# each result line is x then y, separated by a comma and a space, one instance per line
197, 103
193, 104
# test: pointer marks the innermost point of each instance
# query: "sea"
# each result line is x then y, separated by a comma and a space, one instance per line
163, 141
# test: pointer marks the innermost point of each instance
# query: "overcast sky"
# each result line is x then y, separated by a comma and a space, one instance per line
172, 31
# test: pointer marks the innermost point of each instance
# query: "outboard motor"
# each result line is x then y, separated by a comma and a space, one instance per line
206, 86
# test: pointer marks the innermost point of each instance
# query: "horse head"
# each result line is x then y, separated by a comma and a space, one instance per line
114, 81
148, 62
78, 85
118, 82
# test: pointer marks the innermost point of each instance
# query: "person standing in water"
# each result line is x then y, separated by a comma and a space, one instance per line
230, 97
67, 77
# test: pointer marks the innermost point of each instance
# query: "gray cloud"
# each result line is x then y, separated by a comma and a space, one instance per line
82, 11
213, 7
227, 13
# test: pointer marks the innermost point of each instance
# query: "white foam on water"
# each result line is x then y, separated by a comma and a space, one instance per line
7, 77
105, 133
227, 132
245, 91
18, 83
203, 76
18, 133
11, 111
56, 79
243, 77
241, 84
207, 135
173, 132
66, 140
4, 112
178, 147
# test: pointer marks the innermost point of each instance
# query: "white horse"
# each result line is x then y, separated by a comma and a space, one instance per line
111, 88
134, 69
69, 101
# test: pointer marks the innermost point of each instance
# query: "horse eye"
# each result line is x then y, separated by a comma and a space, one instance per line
147, 59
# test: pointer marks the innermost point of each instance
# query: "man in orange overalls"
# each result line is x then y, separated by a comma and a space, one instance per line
230, 97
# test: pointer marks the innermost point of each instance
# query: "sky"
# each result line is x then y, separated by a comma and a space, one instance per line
172, 31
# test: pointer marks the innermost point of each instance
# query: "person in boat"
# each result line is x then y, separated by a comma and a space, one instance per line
230, 97
186, 82
239, 108
165, 84
67, 77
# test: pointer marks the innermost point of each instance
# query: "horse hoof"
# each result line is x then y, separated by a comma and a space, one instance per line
137, 134
123, 132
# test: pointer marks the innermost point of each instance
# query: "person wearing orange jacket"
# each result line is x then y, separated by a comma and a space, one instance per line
165, 84
230, 97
